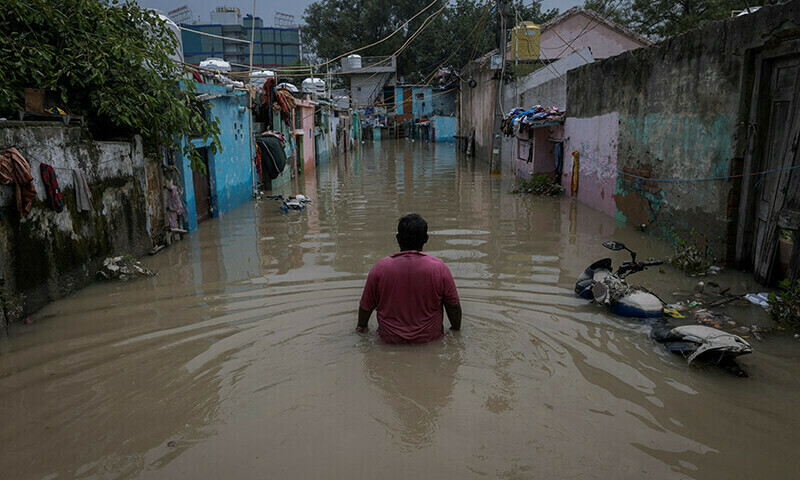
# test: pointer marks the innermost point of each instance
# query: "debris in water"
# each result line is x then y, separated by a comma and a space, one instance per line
712, 319
123, 268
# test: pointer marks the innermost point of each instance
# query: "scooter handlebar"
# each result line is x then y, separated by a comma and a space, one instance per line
653, 264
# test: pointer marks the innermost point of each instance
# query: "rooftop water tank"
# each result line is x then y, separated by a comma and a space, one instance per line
213, 63
353, 62
313, 85
258, 78
525, 41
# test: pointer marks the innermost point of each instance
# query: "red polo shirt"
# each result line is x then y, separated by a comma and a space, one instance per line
408, 289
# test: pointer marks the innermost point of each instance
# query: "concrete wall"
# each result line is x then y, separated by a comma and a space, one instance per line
477, 107
305, 119
365, 87
48, 255
231, 168
580, 31
673, 111
444, 128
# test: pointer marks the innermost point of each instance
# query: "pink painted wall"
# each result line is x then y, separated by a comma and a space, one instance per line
581, 30
306, 109
543, 152
595, 139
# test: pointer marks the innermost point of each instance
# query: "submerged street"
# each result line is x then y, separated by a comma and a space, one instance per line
240, 356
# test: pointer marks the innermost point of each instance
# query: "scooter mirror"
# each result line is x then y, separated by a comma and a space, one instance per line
614, 245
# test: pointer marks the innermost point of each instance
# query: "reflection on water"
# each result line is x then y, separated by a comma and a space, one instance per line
239, 359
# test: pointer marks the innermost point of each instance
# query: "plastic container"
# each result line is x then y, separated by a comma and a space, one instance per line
525, 39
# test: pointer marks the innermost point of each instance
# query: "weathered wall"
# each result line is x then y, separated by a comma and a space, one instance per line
580, 31
444, 128
231, 168
595, 140
679, 107
477, 108
48, 255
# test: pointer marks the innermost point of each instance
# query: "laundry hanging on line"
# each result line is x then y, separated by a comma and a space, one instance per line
51, 186
83, 197
14, 169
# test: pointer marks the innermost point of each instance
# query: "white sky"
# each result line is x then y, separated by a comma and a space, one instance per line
266, 8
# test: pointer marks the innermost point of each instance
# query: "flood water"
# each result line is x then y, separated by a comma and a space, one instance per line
239, 359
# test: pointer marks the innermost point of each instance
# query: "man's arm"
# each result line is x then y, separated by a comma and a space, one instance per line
454, 315
363, 319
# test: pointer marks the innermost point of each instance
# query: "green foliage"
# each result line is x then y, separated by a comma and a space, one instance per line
334, 27
688, 258
664, 18
784, 307
108, 61
539, 185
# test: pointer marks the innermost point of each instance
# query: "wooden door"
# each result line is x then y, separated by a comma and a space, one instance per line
202, 189
776, 153
407, 102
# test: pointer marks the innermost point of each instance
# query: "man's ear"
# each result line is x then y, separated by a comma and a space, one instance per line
426, 239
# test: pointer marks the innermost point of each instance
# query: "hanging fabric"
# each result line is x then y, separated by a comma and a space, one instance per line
83, 197
15, 169
51, 186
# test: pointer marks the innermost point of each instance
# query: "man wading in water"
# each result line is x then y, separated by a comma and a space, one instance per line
409, 289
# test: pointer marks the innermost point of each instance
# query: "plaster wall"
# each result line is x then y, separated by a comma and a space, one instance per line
231, 168
595, 141
48, 255
306, 132
477, 109
681, 110
581, 31
444, 128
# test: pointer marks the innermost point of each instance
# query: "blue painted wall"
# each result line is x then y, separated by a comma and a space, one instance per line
230, 170
421, 107
444, 128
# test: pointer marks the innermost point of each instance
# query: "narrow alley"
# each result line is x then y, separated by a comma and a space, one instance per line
239, 357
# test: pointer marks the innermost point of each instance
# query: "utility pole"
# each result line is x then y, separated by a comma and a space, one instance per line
497, 135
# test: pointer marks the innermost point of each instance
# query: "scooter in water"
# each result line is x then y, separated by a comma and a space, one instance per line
600, 284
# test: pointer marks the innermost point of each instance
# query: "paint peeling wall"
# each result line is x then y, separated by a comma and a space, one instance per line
48, 255
477, 108
595, 141
671, 114
444, 128
231, 169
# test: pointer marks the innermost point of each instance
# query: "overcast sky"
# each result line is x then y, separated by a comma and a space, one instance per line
266, 8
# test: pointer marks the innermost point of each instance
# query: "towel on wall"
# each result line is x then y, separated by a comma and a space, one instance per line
83, 197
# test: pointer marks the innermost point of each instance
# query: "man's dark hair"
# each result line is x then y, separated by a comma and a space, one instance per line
412, 232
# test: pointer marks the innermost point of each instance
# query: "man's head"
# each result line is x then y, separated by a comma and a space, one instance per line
412, 232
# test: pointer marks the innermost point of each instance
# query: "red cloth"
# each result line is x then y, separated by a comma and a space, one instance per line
258, 160
14, 169
408, 289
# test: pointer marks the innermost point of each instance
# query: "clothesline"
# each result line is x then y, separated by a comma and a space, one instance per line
680, 180
66, 169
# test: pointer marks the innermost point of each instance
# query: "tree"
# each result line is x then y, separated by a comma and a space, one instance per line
664, 18
463, 30
108, 62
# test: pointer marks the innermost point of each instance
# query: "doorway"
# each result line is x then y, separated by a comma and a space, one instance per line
770, 201
202, 189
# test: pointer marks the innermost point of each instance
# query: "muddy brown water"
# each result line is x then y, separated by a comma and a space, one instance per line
239, 359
